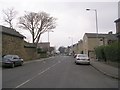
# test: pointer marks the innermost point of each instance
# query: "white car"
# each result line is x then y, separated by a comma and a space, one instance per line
82, 59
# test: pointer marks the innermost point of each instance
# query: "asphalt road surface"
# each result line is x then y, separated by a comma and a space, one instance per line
55, 72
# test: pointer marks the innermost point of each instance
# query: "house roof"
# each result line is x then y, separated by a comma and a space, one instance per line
43, 44
108, 36
10, 31
94, 35
118, 20
29, 45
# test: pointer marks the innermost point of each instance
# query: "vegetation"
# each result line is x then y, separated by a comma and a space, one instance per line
43, 54
62, 49
9, 16
109, 52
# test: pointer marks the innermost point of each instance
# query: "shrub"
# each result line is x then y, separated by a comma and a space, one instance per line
100, 52
109, 52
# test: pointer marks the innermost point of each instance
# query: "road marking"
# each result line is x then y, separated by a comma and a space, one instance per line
22, 84
37, 75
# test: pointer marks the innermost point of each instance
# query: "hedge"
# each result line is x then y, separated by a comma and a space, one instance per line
109, 52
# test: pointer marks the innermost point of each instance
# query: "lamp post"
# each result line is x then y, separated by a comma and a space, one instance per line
48, 34
96, 18
72, 44
48, 38
96, 26
96, 21
71, 39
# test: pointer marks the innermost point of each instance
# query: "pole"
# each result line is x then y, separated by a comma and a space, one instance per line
71, 44
48, 36
97, 39
96, 27
96, 24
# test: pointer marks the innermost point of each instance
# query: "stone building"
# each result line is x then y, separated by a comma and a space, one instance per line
13, 43
80, 46
118, 28
45, 46
93, 40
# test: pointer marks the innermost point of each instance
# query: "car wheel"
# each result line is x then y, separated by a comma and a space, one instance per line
21, 63
13, 65
76, 63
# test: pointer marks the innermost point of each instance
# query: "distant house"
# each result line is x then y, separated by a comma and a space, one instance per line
45, 46
92, 40
76, 48
80, 46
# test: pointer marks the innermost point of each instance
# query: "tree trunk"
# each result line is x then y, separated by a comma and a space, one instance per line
38, 39
33, 36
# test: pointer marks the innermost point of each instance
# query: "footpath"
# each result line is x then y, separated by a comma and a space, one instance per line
106, 69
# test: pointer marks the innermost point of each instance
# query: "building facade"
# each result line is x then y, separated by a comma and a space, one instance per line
45, 46
13, 43
118, 28
93, 40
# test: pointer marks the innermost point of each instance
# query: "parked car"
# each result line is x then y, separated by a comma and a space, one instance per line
12, 61
82, 59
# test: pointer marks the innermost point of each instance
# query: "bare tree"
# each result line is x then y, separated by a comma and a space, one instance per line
9, 15
37, 24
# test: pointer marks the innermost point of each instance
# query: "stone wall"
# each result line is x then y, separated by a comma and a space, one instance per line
12, 45
31, 53
15, 45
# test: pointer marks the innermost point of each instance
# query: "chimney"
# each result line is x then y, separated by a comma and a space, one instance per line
110, 32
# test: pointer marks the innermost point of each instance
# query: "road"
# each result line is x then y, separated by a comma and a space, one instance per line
56, 72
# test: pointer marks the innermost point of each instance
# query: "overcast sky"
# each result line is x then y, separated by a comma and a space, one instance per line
72, 18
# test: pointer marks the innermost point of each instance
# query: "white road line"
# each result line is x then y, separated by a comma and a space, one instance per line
37, 75
22, 84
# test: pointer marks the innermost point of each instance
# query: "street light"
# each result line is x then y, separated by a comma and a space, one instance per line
48, 38
71, 39
96, 20
72, 44
48, 34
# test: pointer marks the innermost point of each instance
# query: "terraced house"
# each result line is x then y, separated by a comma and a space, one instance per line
118, 28
93, 40
78, 47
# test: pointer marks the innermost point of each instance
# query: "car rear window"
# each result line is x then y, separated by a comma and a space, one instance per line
83, 55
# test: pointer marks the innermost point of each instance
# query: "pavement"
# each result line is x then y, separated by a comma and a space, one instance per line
105, 69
